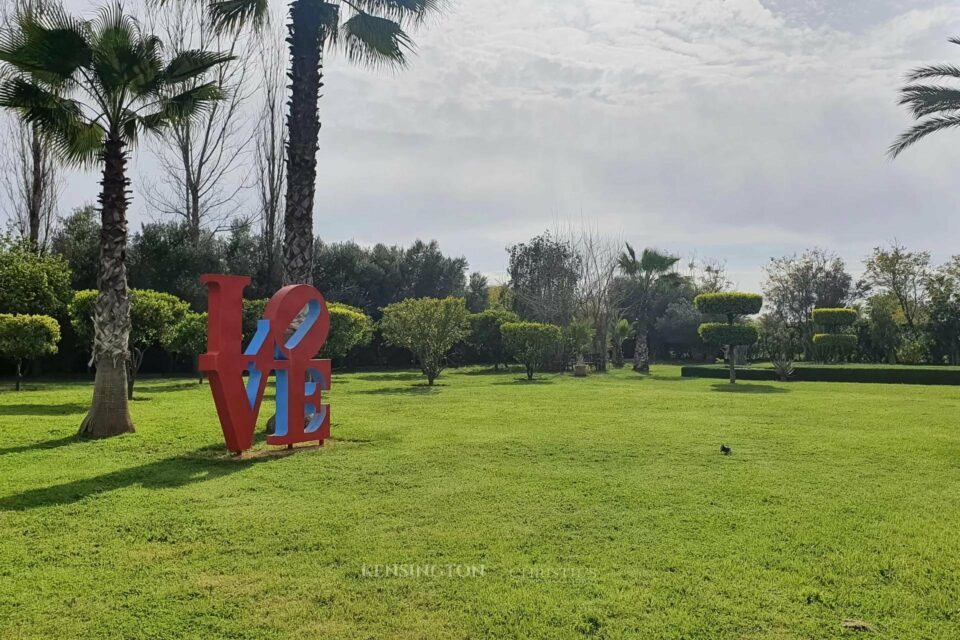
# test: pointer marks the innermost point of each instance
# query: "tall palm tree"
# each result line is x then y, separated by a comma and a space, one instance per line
368, 32
648, 274
90, 88
936, 106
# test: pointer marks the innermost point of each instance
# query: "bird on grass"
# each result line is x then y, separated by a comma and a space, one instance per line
725, 450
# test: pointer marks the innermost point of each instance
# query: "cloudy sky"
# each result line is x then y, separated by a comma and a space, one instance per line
732, 129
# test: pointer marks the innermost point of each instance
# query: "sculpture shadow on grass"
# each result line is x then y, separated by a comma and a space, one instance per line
42, 445
726, 387
207, 463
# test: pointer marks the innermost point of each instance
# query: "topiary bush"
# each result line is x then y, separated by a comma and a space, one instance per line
23, 337
834, 344
429, 327
729, 304
531, 343
731, 335
485, 336
188, 337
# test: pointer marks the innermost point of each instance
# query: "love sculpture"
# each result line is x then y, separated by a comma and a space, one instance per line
300, 379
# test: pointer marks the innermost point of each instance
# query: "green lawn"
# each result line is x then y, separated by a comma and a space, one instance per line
596, 508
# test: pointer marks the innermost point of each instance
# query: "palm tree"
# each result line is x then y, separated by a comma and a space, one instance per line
619, 332
648, 274
937, 107
90, 88
368, 32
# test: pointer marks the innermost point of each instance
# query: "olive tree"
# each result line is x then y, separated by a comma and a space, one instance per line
729, 334
429, 327
23, 337
531, 343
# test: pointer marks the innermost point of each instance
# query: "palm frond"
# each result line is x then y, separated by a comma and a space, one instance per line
925, 100
181, 107
934, 71
401, 11
59, 120
49, 49
192, 64
652, 261
231, 14
628, 261
922, 130
374, 41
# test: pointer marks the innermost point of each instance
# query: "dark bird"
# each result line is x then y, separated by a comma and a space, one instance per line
725, 450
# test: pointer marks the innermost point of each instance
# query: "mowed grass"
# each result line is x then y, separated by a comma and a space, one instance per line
561, 508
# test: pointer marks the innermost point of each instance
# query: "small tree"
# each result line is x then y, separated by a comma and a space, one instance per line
730, 334
152, 314
485, 336
349, 327
580, 334
23, 337
618, 334
188, 337
531, 343
32, 283
429, 327
834, 343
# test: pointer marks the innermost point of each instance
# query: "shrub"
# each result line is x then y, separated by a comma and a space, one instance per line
253, 311
531, 343
729, 304
485, 336
835, 317
152, 314
429, 327
187, 337
834, 345
23, 337
580, 334
349, 327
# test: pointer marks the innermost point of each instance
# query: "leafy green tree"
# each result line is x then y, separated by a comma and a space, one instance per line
77, 241
166, 256
884, 329
796, 285
531, 343
429, 327
32, 283
934, 106
903, 274
349, 327
478, 293
543, 279
733, 306
618, 335
943, 321
92, 87
485, 336
188, 337
24, 337
368, 32
649, 274
152, 314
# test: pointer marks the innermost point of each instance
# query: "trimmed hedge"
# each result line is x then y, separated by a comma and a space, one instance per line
835, 317
835, 340
729, 303
881, 375
721, 334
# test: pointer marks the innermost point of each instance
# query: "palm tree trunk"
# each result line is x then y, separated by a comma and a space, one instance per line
109, 413
306, 35
641, 353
